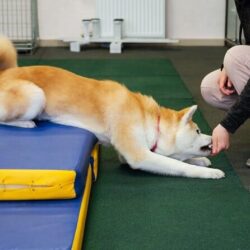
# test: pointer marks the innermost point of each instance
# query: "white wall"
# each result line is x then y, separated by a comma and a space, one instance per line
196, 19
186, 19
62, 18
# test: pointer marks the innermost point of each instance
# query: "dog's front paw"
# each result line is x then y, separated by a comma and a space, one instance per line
201, 161
215, 174
204, 162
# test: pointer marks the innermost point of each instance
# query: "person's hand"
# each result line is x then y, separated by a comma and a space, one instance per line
225, 85
220, 139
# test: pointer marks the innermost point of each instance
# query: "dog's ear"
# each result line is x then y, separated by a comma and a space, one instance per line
187, 114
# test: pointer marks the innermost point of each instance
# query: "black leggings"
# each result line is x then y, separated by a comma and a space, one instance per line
243, 9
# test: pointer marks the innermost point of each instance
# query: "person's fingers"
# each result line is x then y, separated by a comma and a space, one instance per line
223, 90
227, 91
222, 82
225, 85
231, 91
215, 145
229, 84
220, 139
222, 87
220, 146
230, 87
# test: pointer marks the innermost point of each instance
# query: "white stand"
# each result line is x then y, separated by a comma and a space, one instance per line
74, 46
85, 28
96, 28
115, 47
115, 42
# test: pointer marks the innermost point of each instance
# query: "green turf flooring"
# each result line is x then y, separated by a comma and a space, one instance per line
134, 210
137, 74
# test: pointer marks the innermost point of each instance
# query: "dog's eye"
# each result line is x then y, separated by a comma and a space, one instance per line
198, 131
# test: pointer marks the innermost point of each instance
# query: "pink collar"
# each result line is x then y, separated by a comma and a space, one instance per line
154, 147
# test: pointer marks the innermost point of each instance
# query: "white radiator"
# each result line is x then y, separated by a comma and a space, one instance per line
142, 18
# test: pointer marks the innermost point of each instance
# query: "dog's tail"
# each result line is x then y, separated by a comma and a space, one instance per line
8, 54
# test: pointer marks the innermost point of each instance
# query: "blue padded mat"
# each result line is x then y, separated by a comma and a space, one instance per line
48, 147
38, 225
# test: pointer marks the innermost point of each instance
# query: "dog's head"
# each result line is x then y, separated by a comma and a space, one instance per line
187, 141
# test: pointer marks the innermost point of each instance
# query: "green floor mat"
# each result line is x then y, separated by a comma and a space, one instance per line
28, 62
137, 75
135, 210
106, 67
152, 85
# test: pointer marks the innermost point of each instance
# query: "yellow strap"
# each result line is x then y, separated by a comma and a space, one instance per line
78, 238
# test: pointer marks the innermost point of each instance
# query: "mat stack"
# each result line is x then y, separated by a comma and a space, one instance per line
46, 175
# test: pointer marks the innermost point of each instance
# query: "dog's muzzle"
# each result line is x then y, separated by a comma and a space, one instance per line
206, 147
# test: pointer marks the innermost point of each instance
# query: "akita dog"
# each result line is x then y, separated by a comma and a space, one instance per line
147, 136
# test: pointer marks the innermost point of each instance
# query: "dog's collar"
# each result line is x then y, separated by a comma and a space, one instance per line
154, 147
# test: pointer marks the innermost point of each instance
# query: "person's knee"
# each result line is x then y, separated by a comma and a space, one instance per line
211, 93
207, 91
215, 99
207, 94
234, 57
236, 63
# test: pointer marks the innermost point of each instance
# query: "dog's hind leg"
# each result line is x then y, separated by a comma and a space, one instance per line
20, 102
21, 124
